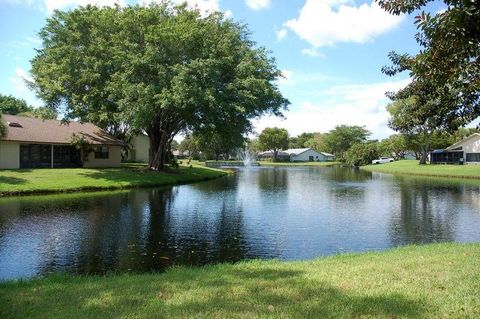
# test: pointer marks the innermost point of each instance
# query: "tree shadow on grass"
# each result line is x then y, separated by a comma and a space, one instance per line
146, 177
229, 292
12, 180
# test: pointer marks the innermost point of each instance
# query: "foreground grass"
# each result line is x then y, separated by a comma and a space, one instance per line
434, 281
411, 167
18, 182
269, 163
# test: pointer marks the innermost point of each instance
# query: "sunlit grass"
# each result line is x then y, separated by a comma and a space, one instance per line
434, 281
411, 167
76, 179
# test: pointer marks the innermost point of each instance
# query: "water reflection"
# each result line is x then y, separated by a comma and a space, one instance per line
286, 213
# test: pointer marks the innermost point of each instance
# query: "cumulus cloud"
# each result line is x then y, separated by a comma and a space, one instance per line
258, 4
359, 104
326, 22
281, 34
51, 5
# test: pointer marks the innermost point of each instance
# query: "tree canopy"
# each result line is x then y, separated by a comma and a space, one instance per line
273, 139
449, 60
342, 137
161, 69
12, 105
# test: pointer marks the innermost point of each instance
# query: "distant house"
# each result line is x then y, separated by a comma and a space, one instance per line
37, 143
466, 151
300, 155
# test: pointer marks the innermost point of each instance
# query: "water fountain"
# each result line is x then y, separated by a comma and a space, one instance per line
247, 157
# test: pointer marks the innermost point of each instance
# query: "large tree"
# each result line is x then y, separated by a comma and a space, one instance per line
342, 137
273, 139
449, 59
160, 69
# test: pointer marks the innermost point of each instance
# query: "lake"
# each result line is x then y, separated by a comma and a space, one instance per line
289, 213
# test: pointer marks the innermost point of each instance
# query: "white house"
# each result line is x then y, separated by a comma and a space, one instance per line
466, 151
308, 155
299, 155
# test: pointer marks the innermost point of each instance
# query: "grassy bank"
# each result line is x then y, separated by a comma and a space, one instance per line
434, 281
21, 182
411, 167
269, 163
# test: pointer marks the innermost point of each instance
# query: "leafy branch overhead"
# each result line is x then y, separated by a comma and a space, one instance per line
448, 62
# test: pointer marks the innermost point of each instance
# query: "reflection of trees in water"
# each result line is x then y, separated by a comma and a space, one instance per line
342, 174
426, 214
273, 179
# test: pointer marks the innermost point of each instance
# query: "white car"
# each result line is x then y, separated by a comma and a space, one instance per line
382, 160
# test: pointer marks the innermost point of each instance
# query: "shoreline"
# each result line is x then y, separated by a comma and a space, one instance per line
412, 168
32, 182
429, 281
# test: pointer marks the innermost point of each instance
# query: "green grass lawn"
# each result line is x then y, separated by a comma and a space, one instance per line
411, 167
433, 281
270, 163
13, 182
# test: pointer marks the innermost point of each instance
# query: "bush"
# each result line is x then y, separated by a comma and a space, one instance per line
362, 154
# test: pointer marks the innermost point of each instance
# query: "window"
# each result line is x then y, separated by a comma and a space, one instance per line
101, 152
473, 157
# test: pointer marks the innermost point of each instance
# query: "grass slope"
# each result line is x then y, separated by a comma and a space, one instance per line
411, 167
18, 182
433, 281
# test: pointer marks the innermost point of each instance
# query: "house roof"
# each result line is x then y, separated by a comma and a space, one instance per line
327, 154
296, 151
459, 143
28, 129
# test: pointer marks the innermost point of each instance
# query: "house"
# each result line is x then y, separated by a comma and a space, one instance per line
140, 148
37, 143
308, 155
299, 155
466, 151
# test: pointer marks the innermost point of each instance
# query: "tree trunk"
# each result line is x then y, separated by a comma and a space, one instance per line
275, 155
158, 149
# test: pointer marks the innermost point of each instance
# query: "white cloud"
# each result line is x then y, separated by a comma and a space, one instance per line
326, 22
258, 4
281, 34
20, 88
359, 104
313, 52
51, 5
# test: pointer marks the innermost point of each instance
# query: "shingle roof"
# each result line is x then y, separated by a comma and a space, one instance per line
53, 131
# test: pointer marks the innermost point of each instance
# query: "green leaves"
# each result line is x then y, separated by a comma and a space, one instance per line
160, 69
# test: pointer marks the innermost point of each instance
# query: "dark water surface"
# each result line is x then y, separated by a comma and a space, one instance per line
285, 213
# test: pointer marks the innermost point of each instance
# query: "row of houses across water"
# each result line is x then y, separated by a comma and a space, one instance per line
37, 143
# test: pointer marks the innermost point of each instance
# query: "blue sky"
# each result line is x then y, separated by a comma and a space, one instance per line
330, 51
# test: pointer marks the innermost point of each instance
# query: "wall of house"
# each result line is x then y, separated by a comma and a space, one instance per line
304, 157
140, 149
471, 146
113, 160
9, 155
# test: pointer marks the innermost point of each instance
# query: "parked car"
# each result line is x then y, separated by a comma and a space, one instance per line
382, 160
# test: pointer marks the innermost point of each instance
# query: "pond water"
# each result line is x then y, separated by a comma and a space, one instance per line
286, 213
